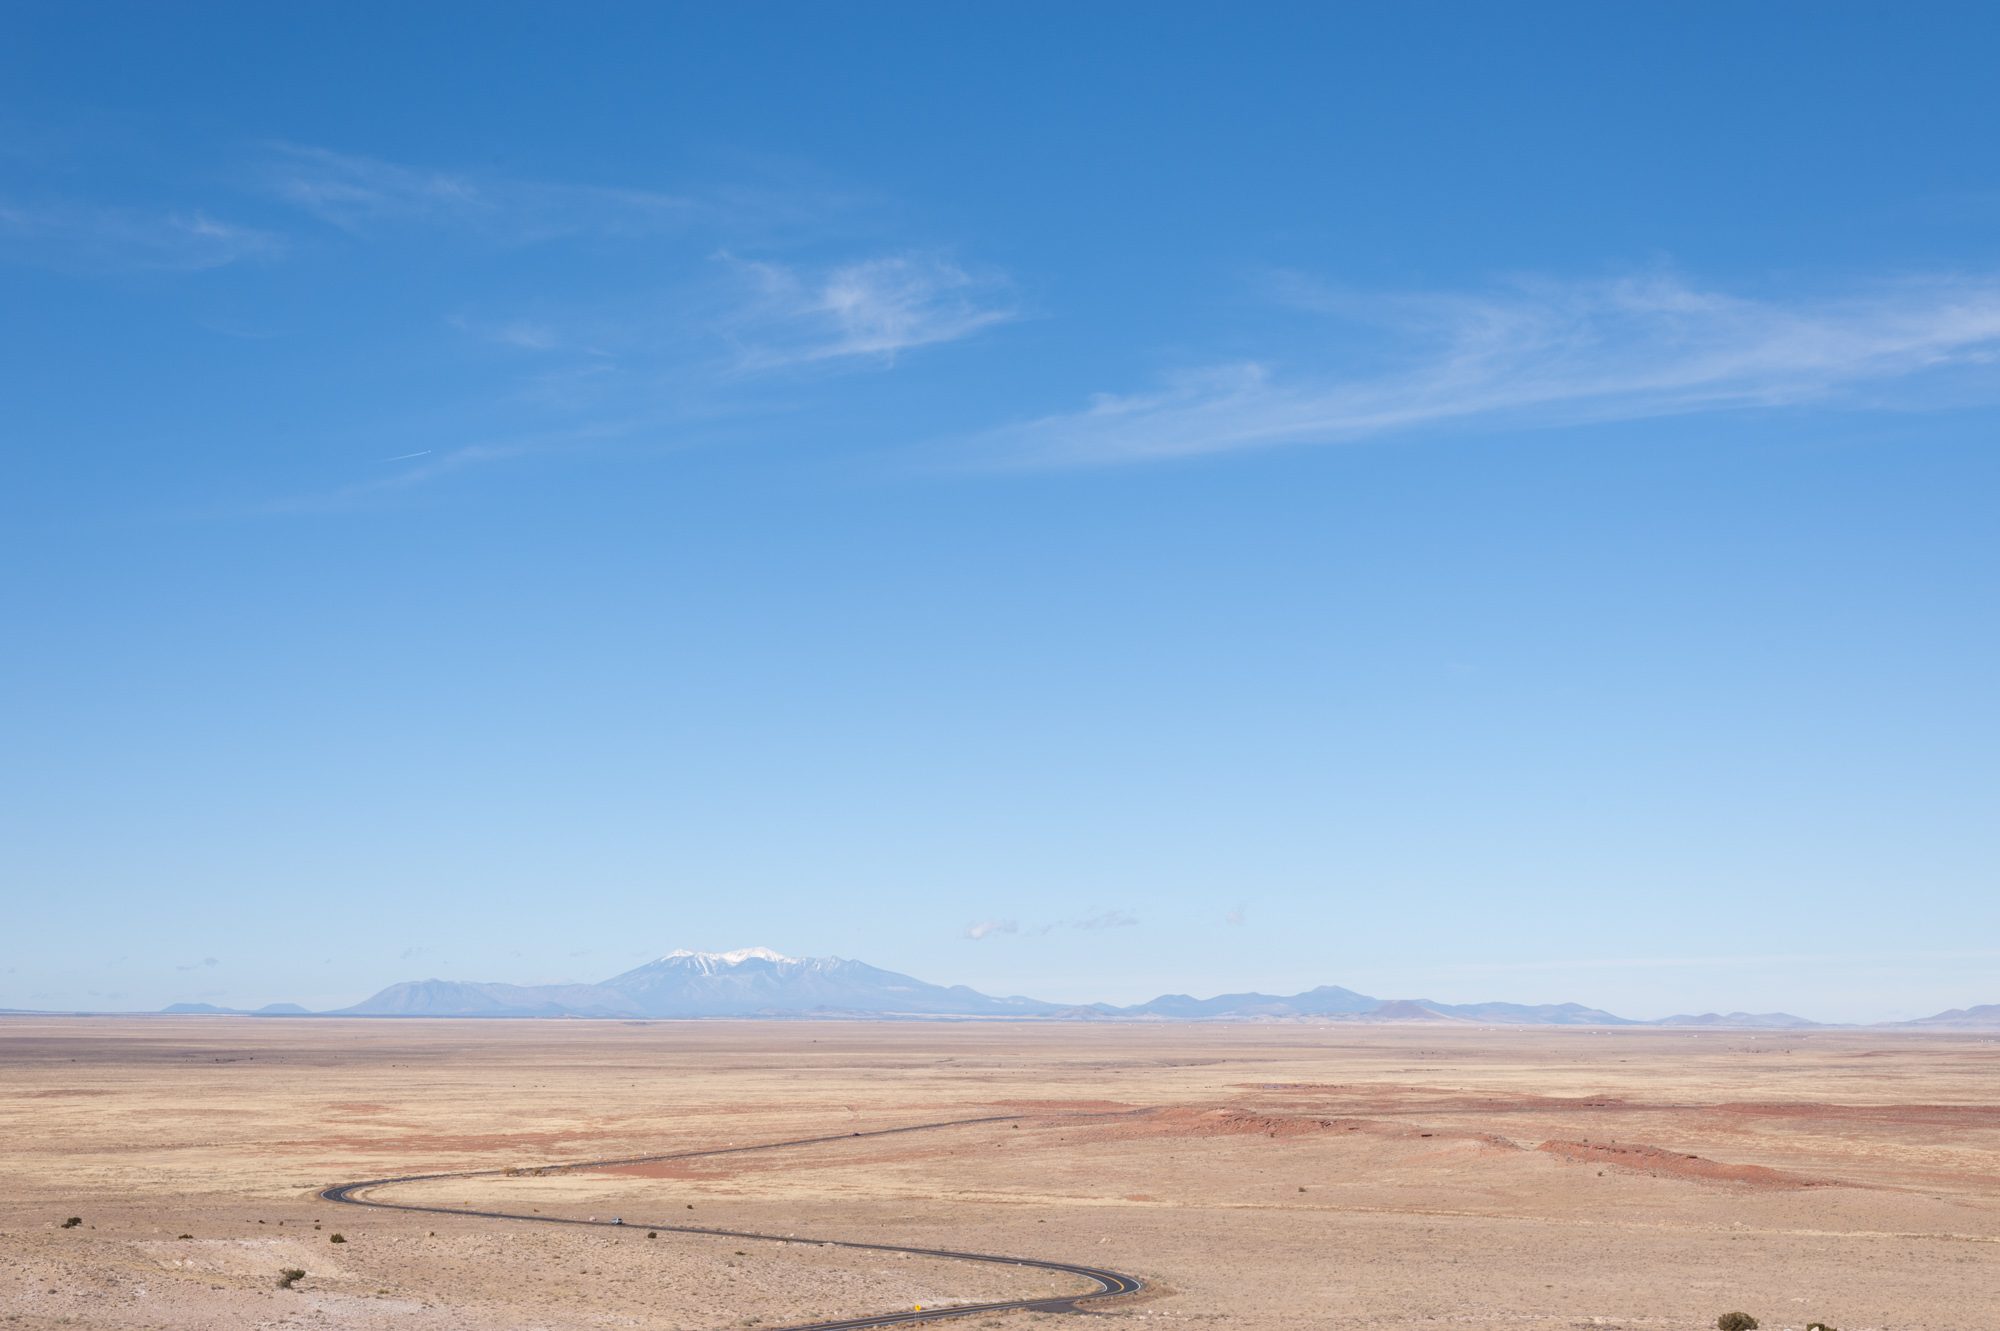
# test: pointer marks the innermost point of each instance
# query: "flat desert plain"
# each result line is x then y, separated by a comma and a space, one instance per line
1255, 1176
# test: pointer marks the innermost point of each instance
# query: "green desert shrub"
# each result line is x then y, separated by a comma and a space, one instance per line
72, 1222
290, 1276
1736, 1322
338, 1238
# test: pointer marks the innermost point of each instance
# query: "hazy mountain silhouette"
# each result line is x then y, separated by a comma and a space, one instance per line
757, 982
754, 982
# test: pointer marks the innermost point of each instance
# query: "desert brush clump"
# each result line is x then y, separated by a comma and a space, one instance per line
1736, 1322
72, 1222
290, 1276
338, 1238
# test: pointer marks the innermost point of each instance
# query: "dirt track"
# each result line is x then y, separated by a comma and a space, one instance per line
377, 1193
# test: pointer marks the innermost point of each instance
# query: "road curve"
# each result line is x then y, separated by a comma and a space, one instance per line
1109, 1283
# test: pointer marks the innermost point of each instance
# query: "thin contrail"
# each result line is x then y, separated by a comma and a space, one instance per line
405, 457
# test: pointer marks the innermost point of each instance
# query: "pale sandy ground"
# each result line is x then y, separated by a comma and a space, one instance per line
1257, 1176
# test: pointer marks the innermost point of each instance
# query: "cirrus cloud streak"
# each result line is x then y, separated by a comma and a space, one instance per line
1532, 353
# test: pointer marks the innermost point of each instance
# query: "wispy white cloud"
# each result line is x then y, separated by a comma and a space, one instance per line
1235, 918
360, 193
456, 459
873, 308
423, 465
1110, 919
354, 191
88, 237
525, 334
520, 334
1531, 353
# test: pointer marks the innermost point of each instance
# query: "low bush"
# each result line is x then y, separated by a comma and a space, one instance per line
338, 1238
289, 1277
1736, 1322
72, 1222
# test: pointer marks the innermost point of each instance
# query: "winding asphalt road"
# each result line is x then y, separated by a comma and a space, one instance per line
1109, 1283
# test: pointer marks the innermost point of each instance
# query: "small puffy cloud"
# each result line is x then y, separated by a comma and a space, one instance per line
205, 962
988, 928
1110, 919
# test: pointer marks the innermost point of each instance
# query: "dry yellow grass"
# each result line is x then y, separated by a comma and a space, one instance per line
1258, 1176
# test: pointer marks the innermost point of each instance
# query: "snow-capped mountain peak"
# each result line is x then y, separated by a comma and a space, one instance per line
736, 958
758, 981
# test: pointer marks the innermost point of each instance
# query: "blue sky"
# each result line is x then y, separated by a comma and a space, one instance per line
1460, 501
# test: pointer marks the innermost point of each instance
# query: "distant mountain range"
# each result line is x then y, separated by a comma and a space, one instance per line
1984, 1017
210, 1009
757, 982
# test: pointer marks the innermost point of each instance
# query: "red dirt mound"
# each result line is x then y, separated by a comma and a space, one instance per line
1374, 1097
1191, 1122
1076, 1106
1662, 1163
1939, 1116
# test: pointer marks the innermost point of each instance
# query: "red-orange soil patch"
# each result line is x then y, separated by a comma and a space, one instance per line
1662, 1163
1073, 1106
1939, 1116
1379, 1099
1193, 1122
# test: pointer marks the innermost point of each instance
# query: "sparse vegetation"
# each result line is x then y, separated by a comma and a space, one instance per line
72, 1222
289, 1277
338, 1238
209, 1287
1736, 1322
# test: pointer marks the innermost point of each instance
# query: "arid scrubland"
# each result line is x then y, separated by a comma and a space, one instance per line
1256, 1176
